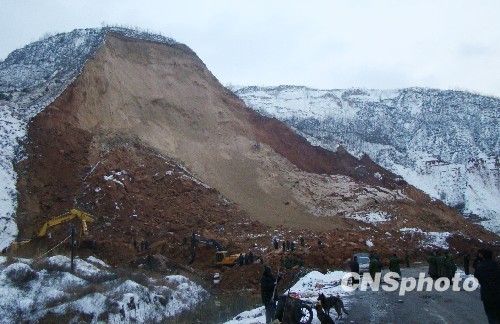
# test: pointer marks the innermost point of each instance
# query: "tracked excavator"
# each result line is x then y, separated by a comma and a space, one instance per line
222, 257
72, 214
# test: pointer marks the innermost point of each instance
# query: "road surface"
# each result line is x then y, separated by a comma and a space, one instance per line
415, 307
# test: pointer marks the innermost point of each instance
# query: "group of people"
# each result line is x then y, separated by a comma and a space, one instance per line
142, 246
245, 259
287, 245
487, 272
441, 265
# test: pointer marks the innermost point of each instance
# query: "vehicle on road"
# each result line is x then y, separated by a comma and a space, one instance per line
364, 262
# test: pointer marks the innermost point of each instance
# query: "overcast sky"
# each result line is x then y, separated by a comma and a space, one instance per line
446, 44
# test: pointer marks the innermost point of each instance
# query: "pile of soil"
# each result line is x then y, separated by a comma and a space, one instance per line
148, 142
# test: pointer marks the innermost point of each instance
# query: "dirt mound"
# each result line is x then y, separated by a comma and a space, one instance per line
150, 143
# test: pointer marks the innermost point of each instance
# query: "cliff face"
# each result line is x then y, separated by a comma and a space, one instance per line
444, 142
146, 139
164, 98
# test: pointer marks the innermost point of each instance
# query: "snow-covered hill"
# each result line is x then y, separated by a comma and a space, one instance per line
49, 292
30, 79
446, 143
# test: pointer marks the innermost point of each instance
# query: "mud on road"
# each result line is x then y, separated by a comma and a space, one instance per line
415, 307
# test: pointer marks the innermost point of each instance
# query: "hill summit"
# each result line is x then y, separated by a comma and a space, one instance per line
137, 131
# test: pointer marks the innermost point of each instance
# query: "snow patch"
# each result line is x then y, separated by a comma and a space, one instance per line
372, 218
430, 239
58, 291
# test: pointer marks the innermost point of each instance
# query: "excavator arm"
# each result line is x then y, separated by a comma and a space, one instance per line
200, 239
221, 256
72, 214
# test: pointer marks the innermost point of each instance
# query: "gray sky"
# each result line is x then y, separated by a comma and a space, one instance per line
446, 44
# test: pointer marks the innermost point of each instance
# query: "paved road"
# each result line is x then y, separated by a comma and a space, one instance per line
415, 307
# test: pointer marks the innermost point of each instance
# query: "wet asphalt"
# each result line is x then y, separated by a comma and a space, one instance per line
414, 307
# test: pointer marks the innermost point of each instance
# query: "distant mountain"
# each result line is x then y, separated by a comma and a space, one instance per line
446, 143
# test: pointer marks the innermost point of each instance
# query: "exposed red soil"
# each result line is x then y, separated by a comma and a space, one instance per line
136, 193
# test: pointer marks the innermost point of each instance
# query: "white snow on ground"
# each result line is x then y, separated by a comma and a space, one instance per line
97, 261
118, 177
372, 218
307, 289
11, 131
486, 196
27, 294
430, 239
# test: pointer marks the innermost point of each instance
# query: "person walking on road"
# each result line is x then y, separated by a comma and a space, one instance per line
488, 275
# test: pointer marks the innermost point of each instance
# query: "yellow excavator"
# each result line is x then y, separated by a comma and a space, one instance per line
222, 257
72, 214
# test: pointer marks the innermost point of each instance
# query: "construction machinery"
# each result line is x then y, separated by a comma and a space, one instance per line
222, 257
72, 214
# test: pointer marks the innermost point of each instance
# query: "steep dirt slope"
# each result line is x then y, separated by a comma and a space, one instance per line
116, 142
164, 97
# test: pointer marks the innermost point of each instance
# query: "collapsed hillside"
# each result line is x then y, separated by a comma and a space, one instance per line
148, 141
443, 142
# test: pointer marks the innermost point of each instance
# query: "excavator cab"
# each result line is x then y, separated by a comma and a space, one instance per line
219, 256
222, 257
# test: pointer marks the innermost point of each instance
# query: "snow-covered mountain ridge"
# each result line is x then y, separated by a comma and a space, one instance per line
443, 142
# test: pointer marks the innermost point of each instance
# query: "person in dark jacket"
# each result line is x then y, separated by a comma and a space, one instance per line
355, 269
320, 244
374, 266
477, 261
394, 265
466, 263
450, 266
241, 259
407, 259
433, 272
267, 286
440, 264
488, 275
250, 257
275, 244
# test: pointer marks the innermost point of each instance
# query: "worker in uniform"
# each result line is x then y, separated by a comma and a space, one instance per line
267, 291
